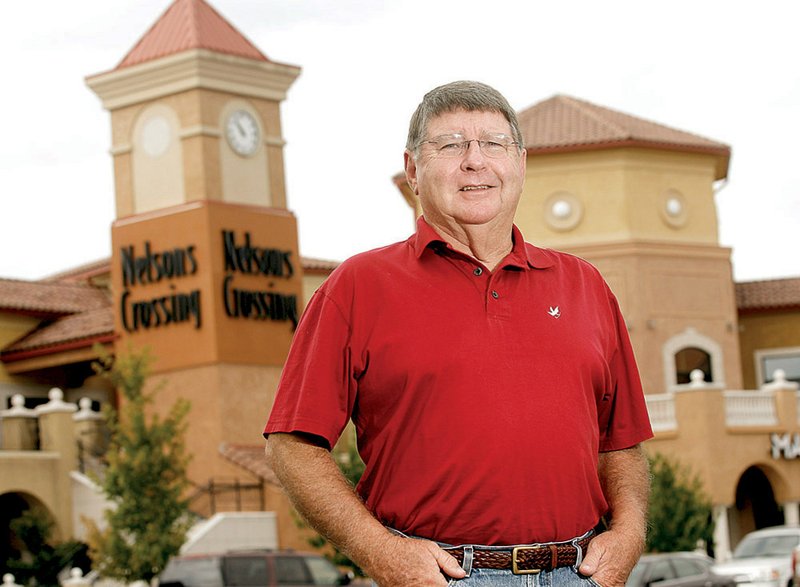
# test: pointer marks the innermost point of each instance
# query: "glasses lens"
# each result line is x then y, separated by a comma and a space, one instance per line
456, 145
493, 148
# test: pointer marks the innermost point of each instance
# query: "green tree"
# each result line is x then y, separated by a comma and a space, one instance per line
42, 561
145, 479
680, 511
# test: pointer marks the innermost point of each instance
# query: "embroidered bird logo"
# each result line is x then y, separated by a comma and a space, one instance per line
554, 312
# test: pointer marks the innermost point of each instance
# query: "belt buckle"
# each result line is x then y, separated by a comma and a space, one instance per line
515, 564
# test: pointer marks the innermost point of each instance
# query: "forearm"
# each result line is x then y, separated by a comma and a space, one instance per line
625, 479
321, 494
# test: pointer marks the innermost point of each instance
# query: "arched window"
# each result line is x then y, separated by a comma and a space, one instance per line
690, 350
687, 360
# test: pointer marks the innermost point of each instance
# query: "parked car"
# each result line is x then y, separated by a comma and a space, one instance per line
253, 568
676, 569
763, 558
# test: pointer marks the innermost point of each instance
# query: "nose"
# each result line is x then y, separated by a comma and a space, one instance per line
474, 157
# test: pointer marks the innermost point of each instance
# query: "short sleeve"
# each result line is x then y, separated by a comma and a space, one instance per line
625, 422
317, 388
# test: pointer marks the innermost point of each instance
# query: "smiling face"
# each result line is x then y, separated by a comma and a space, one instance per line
471, 190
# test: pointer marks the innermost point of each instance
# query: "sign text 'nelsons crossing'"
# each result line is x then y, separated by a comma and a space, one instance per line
257, 304
148, 267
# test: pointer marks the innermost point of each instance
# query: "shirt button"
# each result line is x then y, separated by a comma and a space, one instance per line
478, 271
495, 295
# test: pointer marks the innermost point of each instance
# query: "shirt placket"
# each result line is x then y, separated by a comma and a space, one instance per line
497, 295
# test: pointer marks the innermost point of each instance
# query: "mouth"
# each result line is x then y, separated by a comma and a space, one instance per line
473, 188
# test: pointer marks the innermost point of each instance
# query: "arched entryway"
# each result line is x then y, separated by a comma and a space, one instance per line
12, 506
756, 506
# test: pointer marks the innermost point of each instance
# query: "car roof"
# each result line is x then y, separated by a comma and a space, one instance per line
775, 531
249, 552
681, 554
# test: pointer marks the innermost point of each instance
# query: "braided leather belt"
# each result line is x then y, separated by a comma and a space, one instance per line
525, 559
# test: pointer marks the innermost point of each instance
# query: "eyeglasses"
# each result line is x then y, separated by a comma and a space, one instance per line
455, 145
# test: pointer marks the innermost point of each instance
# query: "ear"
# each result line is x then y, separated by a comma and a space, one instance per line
411, 170
523, 159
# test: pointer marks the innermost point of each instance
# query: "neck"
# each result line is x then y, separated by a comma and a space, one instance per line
487, 244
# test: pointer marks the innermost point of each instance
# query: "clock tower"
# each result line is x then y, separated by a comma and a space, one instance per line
205, 264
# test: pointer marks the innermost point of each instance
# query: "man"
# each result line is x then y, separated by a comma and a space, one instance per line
492, 384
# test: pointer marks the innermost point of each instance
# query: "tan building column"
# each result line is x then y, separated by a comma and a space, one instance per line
19, 426
89, 429
791, 513
57, 435
722, 535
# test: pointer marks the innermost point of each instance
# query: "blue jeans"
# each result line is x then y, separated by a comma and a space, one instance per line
562, 577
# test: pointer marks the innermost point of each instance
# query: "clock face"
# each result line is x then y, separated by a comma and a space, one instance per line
242, 132
156, 136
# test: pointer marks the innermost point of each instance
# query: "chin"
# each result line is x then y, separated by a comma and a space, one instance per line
481, 216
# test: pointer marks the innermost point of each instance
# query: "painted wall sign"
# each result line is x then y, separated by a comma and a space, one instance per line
151, 267
786, 446
257, 304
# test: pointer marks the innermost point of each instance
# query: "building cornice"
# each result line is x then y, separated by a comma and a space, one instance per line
649, 248
192, 69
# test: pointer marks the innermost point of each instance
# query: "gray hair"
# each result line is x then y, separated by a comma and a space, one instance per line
466, 95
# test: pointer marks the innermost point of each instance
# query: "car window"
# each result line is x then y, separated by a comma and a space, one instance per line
753, 546
199, 572
249, 571
660, 571
322, 571
686, 567
291, 570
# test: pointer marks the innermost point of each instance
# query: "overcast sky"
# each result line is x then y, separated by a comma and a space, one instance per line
726, 70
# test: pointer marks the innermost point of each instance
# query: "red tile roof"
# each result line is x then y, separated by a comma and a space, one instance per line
251, 458
87, 326
317, 265
770, 294
190, 24
75, 314
563, 123
42, 298
82, 273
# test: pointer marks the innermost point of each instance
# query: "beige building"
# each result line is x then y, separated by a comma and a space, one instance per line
206, 270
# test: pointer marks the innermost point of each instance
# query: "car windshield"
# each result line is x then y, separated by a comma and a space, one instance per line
755, 546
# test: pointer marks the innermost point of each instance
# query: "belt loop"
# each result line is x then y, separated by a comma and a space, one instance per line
578, 554
467, 564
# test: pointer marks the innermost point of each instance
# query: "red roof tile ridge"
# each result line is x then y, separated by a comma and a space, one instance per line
249, 457
50, 297
86, 325
770, 280
765, 294
190, 24
80, 272
591, 110
658, 126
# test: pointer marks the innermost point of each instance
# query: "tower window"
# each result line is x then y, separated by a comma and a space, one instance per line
689, 359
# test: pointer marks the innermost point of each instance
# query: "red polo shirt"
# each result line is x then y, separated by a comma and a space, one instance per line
481, 399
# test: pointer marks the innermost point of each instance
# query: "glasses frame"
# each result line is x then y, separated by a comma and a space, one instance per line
464, 144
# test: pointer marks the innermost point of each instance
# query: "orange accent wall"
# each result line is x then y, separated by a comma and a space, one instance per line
180, 291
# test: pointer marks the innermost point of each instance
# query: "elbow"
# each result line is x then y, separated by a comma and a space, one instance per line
269, 451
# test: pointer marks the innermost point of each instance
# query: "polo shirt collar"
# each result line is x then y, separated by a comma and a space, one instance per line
522, 254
